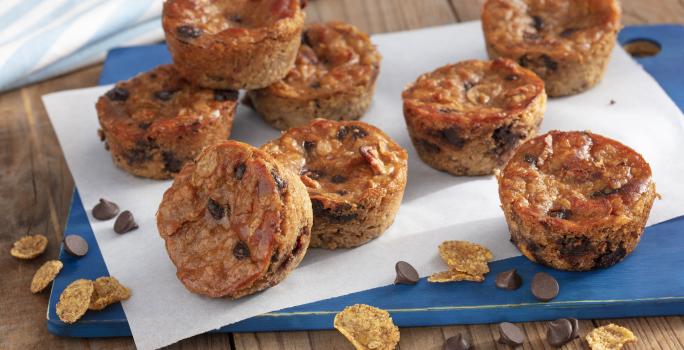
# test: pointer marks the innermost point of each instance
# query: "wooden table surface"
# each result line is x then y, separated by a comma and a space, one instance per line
36, 187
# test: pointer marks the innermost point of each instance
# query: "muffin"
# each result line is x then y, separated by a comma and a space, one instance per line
467, 118
355, 176
576, 200
235, 221
333, 78
239, 44
567, 43
157, 121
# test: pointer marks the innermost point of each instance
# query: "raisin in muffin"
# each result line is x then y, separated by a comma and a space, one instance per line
333, 78
155, 122
355, 175
235, 221
576, 200
466, 118
237, 44
567, 43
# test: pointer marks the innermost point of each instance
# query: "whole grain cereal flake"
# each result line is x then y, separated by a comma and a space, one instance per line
29, 247
107, 291
465, 257
610, 337
454, 276
74, 300
45, 275
367, 327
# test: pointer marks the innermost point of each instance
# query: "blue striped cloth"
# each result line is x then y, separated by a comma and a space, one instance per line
40, 39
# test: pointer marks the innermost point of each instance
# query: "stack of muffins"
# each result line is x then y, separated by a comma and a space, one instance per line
237, 219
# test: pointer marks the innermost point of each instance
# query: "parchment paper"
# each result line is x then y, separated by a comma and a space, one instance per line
436, 206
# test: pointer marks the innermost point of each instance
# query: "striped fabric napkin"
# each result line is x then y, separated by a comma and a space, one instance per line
40, 39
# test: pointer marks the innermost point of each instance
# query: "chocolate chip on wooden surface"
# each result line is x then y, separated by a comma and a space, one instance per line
510, 334
125, 222
117, 94
105, 210
457, 342
216, 210
239, 170
559, 332
188, 32
575, 327
509, 280
544, 286
241, 251
225, 95
406, 274
75, 245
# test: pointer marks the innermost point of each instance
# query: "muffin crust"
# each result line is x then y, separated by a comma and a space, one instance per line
234, 221
567, 43
333, 78
156, 122
237, 44
355, 176
576, 200
466, 118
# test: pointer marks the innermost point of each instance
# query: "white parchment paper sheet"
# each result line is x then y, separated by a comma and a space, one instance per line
436, 206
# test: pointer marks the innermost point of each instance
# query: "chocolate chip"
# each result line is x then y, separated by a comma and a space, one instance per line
505, 139
142, 152
468, 85
530, 158
612, 102
559, 332
544, 286
117, 94
239, 170
611, 257
235, 18
305, 38
427, 146
512, 77
195, 126
280, 183
568, 32
171, 163
531, 36
125, 222
144, 126
510, 334
225, 95
241, 250
105, 210
338, 214
101, 134
564, 214
308, 145
453, 136
216, 210
315, 85
537, 23
574, 246
338, 179
575, 327
509, 280
457, 342
313, 174
188, 32
446, 110
75, 245
406, 274
549, 63
524, 61
164, 95
358, 132
605, 192
342, 133
303, 3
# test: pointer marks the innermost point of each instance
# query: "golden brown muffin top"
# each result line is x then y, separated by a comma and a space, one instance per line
575, 179
160, 102
334, 57
557, 28
340, 161
222, 218
474, 91
196, 20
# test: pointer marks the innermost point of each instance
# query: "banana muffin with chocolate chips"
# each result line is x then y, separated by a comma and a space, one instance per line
355, 176
333, 78
567, 43
467, 118
233, 44
157, 121
576, 200
235, 221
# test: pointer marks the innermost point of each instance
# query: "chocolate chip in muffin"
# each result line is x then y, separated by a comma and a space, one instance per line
512, 77
117, 94
564, 214
549, 63
239, 170
308, 145
358, 132
530, 158
537, 23
141, 152
164, 95
342, 133
144, 125
338, 179
315, 85
467, 85
505, 138
313, 174
216, 210
574, 246
235, 18
171, 163
446, 110
305, 38
241, 251
188, 32
427, 146
453, 137
280, 183
605, 192
611, 257
225, 95
337, 214
568, 32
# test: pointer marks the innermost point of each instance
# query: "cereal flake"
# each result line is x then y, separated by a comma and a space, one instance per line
367, 327
610, 337
29, 247
454, 276
74, 301
107, 291
468, 258
45, 275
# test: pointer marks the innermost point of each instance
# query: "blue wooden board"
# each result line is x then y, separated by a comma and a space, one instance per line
648, 283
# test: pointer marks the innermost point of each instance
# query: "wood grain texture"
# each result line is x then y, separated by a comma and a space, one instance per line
36, 187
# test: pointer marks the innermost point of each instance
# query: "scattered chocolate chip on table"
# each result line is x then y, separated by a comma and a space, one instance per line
406, 274
105, 210
510, 334
509, 280
457, 342
125, 222
544, 286
75, 245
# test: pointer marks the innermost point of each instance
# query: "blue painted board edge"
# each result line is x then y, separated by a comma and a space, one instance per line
434, 306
